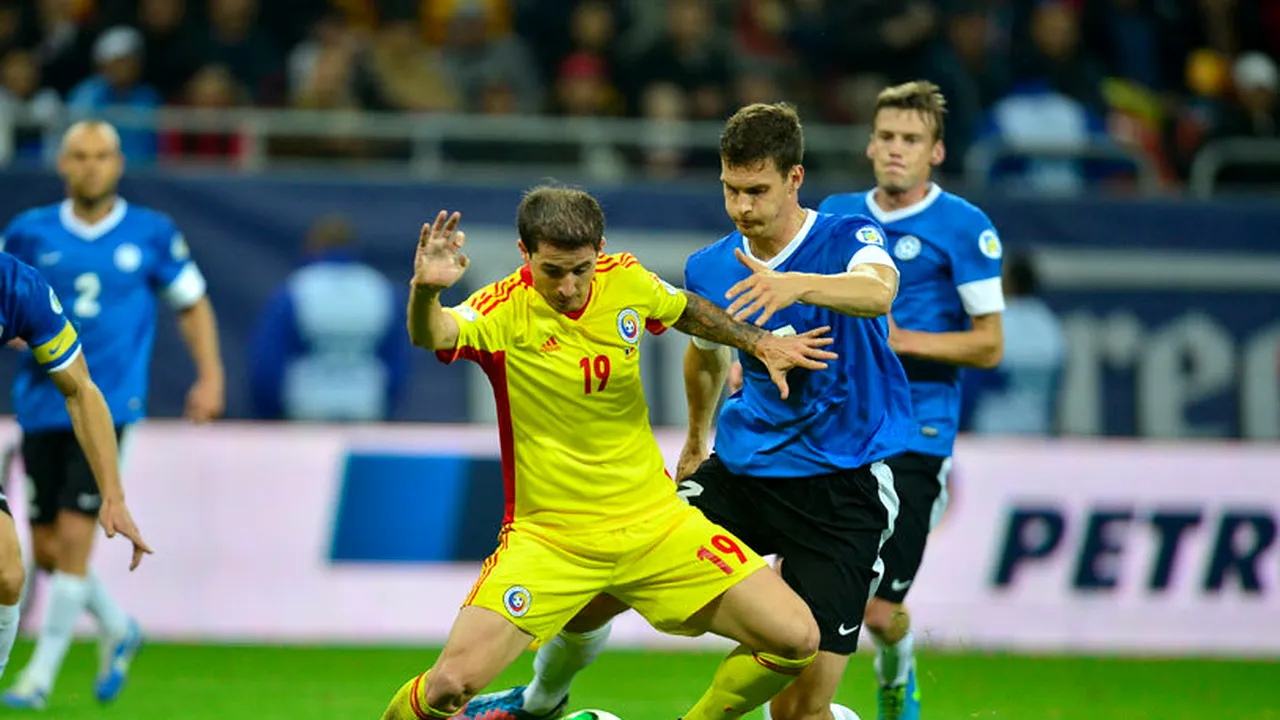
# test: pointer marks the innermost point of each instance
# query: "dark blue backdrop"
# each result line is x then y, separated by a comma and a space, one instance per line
247, 233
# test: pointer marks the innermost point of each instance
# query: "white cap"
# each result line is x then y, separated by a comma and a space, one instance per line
1255, 70
117, 42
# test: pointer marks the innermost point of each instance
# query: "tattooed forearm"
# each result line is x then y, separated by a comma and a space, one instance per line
703, 319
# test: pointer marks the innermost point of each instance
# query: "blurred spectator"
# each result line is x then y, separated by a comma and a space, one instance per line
1127, 36
1019, 397
332, 32
556, 29
1056, 102
330, 85
755, 84
860, 47
437, 16
1053, 56
34, 109
234, 40
330, 344
1208, 76
962, 64
172, 47
583, 89
474, 58
405, 74
118, 85
212, 88
1255, 112
664, 145
10, 27
63, 47
691, 55
761, 28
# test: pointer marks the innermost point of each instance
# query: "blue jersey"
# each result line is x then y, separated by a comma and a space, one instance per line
855, 412
30, 311
110, 273
948, 257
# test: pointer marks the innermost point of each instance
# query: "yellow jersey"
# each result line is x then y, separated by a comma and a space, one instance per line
577, 448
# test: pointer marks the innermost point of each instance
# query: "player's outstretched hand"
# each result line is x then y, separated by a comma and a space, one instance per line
115, 518
765, 291
780, 354
439, 261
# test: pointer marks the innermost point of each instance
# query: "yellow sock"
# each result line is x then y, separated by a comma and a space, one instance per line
410, 703
744, 682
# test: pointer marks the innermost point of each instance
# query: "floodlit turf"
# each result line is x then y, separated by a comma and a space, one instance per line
185, 682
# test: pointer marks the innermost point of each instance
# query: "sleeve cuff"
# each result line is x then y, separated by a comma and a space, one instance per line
186, 289
870, 255
982, 297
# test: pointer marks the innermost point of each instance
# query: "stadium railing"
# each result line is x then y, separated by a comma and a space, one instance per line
984, 157
1219, 155
421, 144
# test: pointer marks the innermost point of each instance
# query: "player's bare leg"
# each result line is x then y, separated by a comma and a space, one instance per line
812, 696
481, 645
69, 591
12, 575
890, 624
778, 636
557, 662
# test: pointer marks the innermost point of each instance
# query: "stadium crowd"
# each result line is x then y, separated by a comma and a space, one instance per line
1166, 75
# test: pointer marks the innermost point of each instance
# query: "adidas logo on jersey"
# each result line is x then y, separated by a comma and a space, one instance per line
551, 345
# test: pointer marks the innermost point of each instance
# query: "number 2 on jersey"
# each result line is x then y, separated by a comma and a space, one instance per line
88, 286
593, 369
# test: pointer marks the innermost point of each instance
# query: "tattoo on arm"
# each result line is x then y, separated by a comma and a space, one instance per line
704, 319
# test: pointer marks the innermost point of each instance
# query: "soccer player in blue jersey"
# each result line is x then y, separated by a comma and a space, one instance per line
805, 477
946, 317
31, 317
111, 260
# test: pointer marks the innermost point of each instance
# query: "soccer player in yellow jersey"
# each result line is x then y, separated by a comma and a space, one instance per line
590, 508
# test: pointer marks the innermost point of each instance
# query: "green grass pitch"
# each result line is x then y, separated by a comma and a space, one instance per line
214, 682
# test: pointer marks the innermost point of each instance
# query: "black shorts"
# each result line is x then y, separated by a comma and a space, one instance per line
60, 475
828, 529
922, 496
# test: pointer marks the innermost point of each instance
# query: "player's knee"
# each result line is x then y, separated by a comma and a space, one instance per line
46, 555
797, 638
888, 621
12, 576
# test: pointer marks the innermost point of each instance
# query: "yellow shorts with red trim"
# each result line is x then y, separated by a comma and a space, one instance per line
667, 568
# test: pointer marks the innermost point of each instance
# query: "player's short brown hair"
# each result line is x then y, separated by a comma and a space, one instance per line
762, 132
919, 95
565, 217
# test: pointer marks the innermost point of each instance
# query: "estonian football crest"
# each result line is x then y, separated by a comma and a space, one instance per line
517, 601
128, 257
907, 247
629, 326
